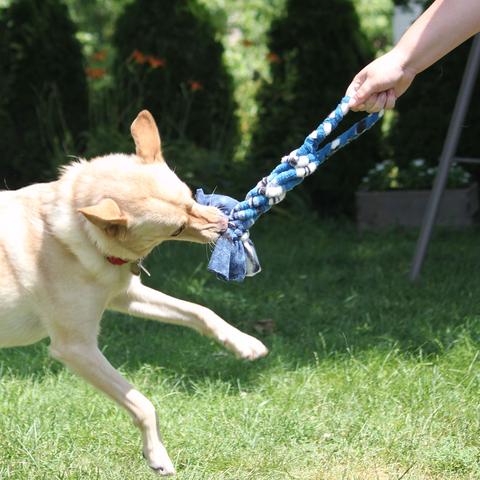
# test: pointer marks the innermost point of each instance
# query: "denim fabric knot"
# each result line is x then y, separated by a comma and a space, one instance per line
234, 256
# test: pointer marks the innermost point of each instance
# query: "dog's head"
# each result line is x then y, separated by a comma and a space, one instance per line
138, 202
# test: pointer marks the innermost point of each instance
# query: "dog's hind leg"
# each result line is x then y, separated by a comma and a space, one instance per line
145, 302
85, 359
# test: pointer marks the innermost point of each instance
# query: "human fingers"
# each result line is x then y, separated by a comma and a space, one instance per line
358, 99
353, 88
379, 103
365, 92
371, 102
391, 99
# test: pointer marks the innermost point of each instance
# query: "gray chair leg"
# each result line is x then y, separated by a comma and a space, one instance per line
447, 155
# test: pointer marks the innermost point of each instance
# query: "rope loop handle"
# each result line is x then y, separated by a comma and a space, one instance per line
296, 166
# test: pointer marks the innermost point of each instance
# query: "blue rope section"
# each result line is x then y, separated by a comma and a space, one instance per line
234, 255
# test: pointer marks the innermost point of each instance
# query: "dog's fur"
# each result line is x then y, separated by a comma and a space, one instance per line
56, 280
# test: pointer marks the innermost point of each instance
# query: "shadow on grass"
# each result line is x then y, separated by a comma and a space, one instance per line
327, 290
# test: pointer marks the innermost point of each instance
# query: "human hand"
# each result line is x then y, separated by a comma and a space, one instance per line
380, 83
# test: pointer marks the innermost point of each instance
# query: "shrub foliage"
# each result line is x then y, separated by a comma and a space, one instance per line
316, 48
43, 91
170, 62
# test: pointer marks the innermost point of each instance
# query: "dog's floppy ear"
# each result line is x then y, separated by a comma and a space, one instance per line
147, 139
106, 215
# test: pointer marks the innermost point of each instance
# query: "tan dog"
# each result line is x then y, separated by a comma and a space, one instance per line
69, 250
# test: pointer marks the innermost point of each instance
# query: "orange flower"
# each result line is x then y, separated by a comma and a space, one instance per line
95, 73
195, 86
100, 56
139, 57
156, 62
273, 58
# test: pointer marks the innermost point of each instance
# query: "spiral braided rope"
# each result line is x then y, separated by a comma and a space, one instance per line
295, 167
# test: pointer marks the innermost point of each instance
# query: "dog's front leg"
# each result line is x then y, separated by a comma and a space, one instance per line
85, 359
143, 301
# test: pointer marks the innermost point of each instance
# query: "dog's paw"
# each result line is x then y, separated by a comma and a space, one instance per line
163, 471
160, 463
245, 346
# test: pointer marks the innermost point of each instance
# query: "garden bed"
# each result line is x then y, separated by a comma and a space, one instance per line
406, 208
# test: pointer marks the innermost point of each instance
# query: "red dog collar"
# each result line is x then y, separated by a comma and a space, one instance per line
117, 261
135, 267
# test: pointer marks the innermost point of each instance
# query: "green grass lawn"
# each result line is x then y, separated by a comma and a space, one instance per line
369, 376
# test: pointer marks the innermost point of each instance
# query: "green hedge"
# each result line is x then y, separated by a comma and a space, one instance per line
316, 48
170, 62
43, 91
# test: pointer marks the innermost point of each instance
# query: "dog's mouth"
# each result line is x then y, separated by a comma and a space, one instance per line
205, 225
208, 233
223, 225
213, 233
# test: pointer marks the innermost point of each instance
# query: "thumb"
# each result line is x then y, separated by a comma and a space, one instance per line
363, 92
355, 87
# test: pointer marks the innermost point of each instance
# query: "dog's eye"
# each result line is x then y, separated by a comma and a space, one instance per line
177, 232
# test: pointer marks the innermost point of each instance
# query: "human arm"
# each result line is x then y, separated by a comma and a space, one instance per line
441, 28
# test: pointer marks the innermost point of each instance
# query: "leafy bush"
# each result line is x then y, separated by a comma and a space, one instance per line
203, 168
376, 22
43, 91
316, 48
170, 62
416, 175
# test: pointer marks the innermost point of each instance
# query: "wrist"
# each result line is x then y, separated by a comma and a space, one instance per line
405, 60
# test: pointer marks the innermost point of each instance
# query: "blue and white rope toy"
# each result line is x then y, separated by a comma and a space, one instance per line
234, 256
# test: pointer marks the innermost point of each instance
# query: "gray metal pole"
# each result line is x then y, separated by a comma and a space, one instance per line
448, 152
